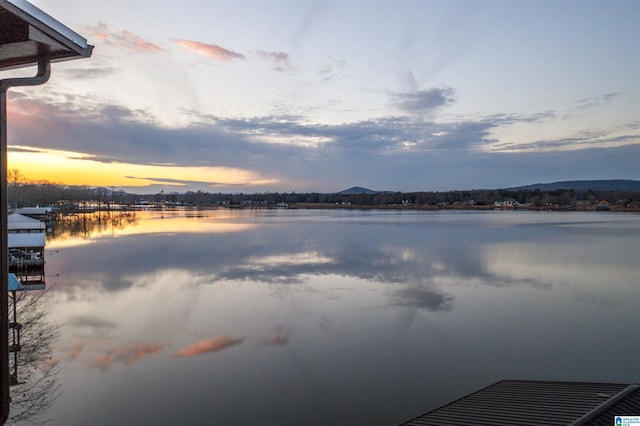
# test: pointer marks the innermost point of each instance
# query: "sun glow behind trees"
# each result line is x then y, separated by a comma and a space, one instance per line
74, 168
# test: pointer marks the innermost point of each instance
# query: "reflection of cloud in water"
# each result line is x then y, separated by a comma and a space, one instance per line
126, 355
302, 258
291, 254
138, 223
419, 271
78, 286
213, 344
354, 301
596, 299
278, 338
262, 272
422, 297
76, 348
82, 321
281, 268
49, 363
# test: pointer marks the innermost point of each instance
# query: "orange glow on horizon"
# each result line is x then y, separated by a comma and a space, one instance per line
73, 168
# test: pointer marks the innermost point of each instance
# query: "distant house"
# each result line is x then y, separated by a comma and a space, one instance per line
142, 205
509, 203
582, 205
602, 205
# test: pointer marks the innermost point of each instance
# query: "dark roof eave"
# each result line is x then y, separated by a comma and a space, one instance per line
38, 37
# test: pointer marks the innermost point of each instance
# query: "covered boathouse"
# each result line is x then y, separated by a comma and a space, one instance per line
26, 242
525, 402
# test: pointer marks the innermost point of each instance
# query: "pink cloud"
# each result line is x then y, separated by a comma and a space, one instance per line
213, 344
124, 40
126, 355
209, 50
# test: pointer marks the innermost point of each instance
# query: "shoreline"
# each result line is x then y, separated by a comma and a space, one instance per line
322, 206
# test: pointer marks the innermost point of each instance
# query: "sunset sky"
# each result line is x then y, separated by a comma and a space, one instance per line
262, 96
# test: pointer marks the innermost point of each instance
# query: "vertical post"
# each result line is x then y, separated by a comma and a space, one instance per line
15, 332
44, 71
4, 258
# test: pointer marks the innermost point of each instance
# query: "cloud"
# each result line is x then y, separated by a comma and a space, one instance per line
286, 152
183, 182
125, 355
596, 101
123, 40
581, 141
213, 344
424, 101
116, 136
333, 69
314, 14
209, 50
89, 73
280, 60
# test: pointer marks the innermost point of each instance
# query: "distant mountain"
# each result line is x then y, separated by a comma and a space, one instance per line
624, 185
357, 190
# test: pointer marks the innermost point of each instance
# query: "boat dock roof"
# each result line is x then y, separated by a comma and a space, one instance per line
526, 402
18, 222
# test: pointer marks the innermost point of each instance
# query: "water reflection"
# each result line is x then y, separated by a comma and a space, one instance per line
350, 317
212, 344
73, 228
279, 253
86, 225
34, 368
125, 355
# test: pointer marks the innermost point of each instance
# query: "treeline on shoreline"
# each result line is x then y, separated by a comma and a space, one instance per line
25, 194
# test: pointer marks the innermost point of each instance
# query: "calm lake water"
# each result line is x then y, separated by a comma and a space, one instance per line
334, 317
